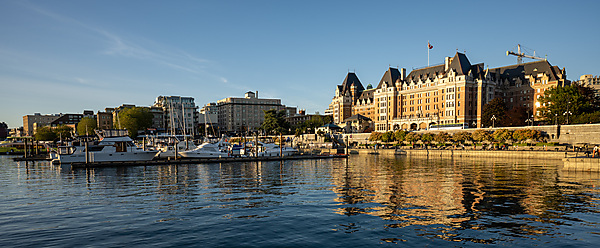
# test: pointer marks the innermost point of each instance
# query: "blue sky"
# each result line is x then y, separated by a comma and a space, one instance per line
70, 56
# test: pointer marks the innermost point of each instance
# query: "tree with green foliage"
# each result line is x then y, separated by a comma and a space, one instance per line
495, 108
462, 137
275, 122
135, 119
574, 100
527, 134
375, 136
387, 136
442, 137
412, 137
86, 126
503, 135
64, 132
427, 137
587, 118
312, 124
400, 135
45, 134
481, 135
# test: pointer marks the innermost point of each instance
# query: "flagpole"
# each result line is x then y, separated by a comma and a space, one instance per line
428, 53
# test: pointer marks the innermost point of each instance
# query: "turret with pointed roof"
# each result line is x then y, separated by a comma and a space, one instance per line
391, 76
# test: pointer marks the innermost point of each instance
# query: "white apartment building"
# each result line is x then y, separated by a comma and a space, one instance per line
180, 114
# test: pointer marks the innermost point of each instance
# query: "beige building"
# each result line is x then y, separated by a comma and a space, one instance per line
32, 122
450, 93
591, 81
247, 113
345, 96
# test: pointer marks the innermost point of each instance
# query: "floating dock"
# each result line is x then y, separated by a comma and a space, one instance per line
582, 164
201, 161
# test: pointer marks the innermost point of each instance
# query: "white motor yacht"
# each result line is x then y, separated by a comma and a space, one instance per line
168, 151
206, 150
274, 150
110, 149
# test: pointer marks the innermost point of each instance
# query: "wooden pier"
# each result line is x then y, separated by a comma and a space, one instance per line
202, 160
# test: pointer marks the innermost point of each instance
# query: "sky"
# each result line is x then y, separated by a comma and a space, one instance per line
69, 56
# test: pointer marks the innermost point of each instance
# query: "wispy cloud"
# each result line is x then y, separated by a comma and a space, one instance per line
137, 48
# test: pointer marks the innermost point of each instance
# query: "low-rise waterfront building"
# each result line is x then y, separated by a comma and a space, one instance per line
32, 122
247, 113
70, 120
301, 117
357, 124
104, 120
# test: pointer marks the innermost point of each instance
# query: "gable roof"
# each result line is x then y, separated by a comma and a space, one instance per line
331, 126
366, 94
357, 117
424, 73
512, 72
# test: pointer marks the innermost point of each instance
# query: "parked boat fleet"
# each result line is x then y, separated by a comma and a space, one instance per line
123, 148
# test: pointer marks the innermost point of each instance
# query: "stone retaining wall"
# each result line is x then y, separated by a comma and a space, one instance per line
547, 155
565, 134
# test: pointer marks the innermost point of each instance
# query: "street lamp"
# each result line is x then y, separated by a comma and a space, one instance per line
530, 120
493, 121
567, 113
555, 119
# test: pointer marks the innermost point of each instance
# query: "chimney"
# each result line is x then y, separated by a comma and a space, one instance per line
446, 63
257, 94
402, 74
302, 112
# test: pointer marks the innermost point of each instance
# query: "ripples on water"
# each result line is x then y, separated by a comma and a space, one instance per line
365, 201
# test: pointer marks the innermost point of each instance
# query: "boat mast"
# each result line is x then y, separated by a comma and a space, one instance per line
183, 119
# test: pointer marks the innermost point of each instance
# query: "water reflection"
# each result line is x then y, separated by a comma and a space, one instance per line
337, 202
496, 200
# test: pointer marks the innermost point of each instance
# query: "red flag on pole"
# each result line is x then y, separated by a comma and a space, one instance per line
429, 45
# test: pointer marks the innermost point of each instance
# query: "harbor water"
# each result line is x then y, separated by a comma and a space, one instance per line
362, 201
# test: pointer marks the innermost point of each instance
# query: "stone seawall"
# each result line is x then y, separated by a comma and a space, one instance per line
567, 161
564, 134
546, 155
476, 153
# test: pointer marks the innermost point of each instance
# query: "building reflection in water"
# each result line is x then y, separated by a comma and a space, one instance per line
435, 197
514, 197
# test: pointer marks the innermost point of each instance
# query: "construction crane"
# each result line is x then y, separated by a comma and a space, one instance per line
520, 55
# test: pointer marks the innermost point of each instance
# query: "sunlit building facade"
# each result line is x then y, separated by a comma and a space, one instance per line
450, 93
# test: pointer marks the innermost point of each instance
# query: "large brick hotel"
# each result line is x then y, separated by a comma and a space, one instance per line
450, 93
